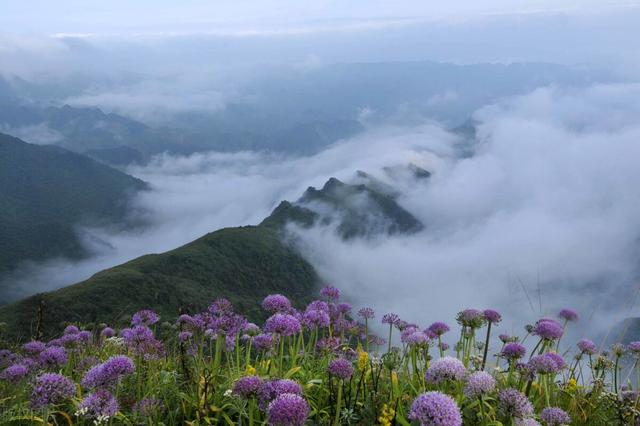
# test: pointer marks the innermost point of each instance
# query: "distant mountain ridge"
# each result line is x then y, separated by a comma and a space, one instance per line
46, 192
357, 210
243, 264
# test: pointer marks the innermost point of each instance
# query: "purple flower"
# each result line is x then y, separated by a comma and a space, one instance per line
548, 363
51, 388
548, 329
283, 324
634, 347
554, 416
272, 389
526, 422
505, 338
34, 347
71, 329
221, 307
330, 293
492, 316
144, 317
438, 328
288, 409
141, 341
435, 409
263, 342
148, 407
53, 357
472, 318
248, 387
318, 305
101, 404
107, 332
251, 329
340, 368
479, 383
85, 336
366, 313
513, 350
445, 369
416, 337
568, 315
276, 303
316, 318
108, 373
514, 404
443, 346
185, 336
14, 373
391, 319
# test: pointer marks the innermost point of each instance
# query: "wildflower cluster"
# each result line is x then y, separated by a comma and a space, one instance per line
317, 365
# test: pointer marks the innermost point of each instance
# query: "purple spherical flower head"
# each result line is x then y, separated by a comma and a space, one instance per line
53, 357
248, 386
438, 328
276, 303
548, 329
391, 319
568, 314
318, 305
51, 388
366, 313
330, 292
513, 351
221, 307
316, 318
548, 363
145, 317
14, 373
283, 324
101, 404
343, 308
288, 409
472, 318
272, 389
340, 368
71, 329
416, 338
251, 329
554, 416
492, 317
445, 369
148, 407
443, 346
107, 332
514, 404
478, 384
435, 409
263, 342
185, 336
108, 373
33, 347
634, 347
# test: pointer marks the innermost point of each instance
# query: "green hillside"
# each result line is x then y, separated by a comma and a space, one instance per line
46, 191
242, 264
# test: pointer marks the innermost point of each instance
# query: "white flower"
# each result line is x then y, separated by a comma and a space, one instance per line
228, 393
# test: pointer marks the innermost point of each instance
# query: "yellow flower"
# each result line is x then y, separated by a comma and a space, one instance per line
386, 415
572, 384
251, 371
363, 360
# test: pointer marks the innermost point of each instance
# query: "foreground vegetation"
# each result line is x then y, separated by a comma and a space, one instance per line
319, 365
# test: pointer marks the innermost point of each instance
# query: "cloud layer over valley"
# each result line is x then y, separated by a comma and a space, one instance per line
541, 210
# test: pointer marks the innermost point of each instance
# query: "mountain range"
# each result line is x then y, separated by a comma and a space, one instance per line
47, 191
243, 264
